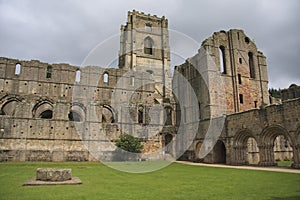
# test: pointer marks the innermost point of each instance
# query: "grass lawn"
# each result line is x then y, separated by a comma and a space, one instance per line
284, 163
176, 181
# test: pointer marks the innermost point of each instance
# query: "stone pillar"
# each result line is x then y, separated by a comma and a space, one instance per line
296, 155
267, 155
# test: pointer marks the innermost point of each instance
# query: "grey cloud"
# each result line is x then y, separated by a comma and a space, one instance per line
66, 31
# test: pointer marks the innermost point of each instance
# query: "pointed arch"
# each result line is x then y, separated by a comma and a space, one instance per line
108, 115
77, 112
9, 105
246, 149
43, 109
270, 133
148, 45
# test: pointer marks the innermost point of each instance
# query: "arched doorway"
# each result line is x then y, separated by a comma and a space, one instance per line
219, 153
276, 141
283, 152
246, 149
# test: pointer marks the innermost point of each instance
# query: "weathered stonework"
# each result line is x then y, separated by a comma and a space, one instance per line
58, 112
53, 174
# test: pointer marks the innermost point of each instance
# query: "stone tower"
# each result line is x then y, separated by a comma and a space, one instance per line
242, 67
144, 46
228, 73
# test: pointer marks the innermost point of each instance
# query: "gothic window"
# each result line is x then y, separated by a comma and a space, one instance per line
43, 110
78, 74
222, 59
251, 65
148, 46
47, 114
105, 77
49, 72
18, 69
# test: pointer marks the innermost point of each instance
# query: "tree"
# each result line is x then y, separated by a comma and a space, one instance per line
129, 143
275, 92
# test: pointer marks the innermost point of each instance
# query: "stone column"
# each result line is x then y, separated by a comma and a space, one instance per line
296, 155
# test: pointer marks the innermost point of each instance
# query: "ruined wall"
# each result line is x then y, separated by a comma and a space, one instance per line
47, 110
290, 93
229, 60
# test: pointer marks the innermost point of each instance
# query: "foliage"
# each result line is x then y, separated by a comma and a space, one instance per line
176, 181
276, 93
129, 143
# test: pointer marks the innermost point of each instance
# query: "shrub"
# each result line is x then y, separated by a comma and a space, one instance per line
129, 143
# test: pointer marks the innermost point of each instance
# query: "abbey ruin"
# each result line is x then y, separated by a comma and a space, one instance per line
59, 112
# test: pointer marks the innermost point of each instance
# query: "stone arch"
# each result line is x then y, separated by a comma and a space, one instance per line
77, 112
9, 106
43, 109
108, 115
245, 147
268, 136
219, 153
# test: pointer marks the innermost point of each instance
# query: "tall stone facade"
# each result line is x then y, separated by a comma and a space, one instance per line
229, 77
58, 112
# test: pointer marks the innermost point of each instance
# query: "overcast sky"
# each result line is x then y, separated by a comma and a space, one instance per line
60, 31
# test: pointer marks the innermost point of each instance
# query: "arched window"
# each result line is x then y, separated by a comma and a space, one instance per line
47, 114
105, 77
49, 72
222, 59
251, 65
141, 115
74, 116
43, 110
9, 108
78, 74
148, 46
18, 69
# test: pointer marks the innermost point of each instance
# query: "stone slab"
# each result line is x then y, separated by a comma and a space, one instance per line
34, 182
53, 174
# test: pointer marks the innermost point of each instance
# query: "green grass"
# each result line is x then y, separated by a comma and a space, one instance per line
176, 181
284, 163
